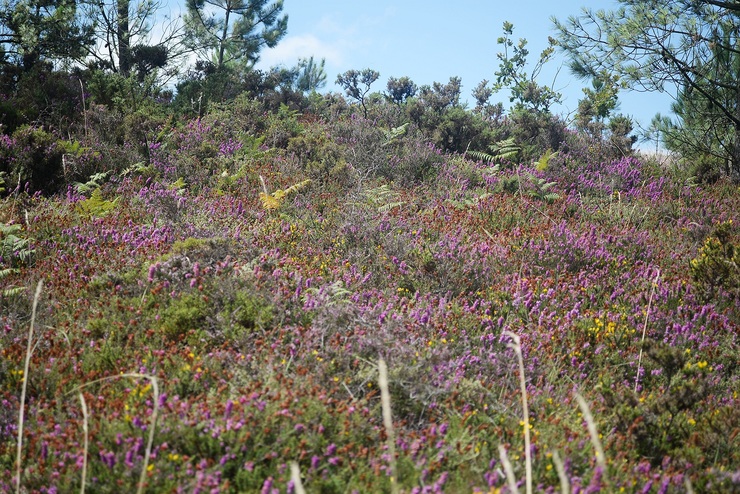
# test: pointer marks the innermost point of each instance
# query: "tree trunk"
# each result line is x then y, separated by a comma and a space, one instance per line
123, 38
224, 36
733, 164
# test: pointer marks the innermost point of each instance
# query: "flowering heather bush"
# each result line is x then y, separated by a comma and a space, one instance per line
240, 334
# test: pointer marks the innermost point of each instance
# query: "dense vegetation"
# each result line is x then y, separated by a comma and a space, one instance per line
248, 286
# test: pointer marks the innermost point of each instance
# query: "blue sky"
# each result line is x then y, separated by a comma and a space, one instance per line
432, 41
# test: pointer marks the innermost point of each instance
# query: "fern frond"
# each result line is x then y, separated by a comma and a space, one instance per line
139, 167
13, 290
275, 200
394, 133
7, 272
382, 198
540, 188
469, 201
387, 207
550, 198
506, 149
481, 156
500, 151
297, 187
179, 186
544, 161
14, 248
95, 205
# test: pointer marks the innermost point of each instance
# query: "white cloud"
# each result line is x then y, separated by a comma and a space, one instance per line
291, 48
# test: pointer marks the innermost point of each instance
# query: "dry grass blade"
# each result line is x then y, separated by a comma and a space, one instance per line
510, 478
595, 441
84, 451
644, 328
26, 366
560, 468
517, 347
385, 398
295, 476
152, 420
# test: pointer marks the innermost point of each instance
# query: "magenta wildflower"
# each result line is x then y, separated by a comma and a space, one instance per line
267, 486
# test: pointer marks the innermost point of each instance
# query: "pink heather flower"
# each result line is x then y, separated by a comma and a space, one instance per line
152, 272
267, 486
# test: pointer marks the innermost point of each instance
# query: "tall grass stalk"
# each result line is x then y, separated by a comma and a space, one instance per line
26, 366
560, 468
517, 347
644, 328
152, 419
295, 476
595, 441
385, 399
510, 478
85, 448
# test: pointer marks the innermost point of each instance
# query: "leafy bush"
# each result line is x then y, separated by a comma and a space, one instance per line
41, 97
716, 268
319, 155
659, 426
362, 142
35, 156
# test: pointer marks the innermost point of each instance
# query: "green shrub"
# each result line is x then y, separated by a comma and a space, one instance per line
716, 268
247, 313
658, 422
283, 126
42, 97
36, 157
185, 314
319, 156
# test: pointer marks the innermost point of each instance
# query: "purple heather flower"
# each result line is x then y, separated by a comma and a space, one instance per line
267, 486
664, 486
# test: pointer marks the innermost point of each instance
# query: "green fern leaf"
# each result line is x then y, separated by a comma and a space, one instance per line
95, 205
394, 133
544, 161
382, 198
13, 290
506, 150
